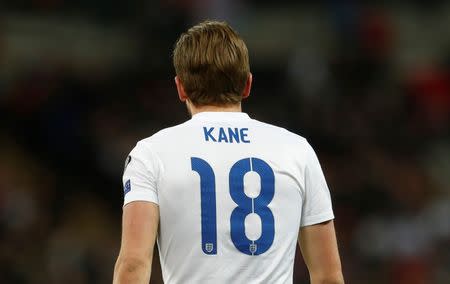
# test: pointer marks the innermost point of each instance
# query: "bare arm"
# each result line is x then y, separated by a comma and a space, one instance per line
320, 252
139, 229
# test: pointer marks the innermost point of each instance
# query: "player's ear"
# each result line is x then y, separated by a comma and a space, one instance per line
180, 89
248, 86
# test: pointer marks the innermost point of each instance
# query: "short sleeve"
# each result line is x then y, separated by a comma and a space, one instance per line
140, 175
317, 206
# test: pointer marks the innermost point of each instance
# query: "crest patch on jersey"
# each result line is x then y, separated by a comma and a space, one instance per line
127, 161
127, 187
209, 247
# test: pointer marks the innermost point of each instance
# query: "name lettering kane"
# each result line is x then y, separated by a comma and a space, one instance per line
227, 135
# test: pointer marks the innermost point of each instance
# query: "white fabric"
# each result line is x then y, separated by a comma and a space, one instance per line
160, 171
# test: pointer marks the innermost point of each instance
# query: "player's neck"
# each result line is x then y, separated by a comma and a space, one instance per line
230, 108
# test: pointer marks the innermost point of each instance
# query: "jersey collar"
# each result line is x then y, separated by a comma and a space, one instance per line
217, 115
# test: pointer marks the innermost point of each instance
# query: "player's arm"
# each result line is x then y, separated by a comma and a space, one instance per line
139, 229
320, 252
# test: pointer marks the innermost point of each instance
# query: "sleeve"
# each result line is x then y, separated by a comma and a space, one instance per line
317, 206
140, 175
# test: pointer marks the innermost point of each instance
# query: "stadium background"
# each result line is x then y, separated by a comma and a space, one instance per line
368, 85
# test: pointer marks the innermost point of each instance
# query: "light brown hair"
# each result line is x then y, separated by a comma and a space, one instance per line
211, 61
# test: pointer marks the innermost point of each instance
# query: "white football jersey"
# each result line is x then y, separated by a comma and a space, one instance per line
232, 194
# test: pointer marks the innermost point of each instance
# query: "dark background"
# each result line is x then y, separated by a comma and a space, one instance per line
367, 84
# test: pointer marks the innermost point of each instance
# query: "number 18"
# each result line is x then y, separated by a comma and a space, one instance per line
246, 205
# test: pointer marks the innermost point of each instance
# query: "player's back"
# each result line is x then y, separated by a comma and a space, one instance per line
232, 194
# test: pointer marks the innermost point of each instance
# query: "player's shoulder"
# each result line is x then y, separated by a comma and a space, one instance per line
280, 133
163, 136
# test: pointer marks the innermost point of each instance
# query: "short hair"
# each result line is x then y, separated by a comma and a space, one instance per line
211, 61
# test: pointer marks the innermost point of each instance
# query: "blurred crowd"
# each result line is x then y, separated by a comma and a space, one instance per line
380, 127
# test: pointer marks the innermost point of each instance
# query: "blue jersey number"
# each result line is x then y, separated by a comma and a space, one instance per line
208, 204
246, 205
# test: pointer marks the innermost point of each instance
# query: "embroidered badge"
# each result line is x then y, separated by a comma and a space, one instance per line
127, 187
